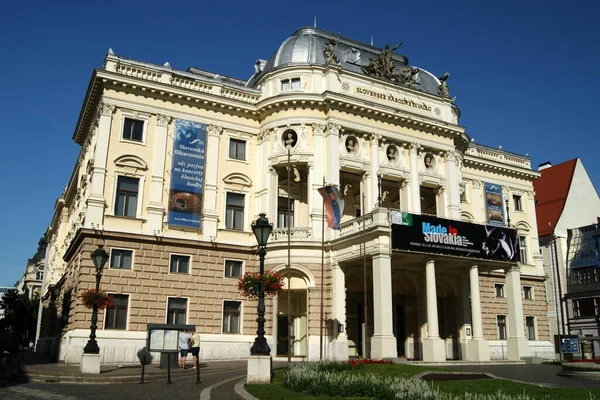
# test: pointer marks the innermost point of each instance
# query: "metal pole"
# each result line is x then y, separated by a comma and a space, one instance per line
560, 299
322, 271
92, 346
260, 346
364, 251
289, 266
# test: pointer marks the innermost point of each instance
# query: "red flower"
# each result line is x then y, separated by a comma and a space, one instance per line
98, 298
249, 284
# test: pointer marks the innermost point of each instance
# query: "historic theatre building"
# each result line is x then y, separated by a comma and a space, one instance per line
435, 256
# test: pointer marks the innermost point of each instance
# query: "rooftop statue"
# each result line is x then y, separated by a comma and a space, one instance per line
443, 89
329, 52
384, 67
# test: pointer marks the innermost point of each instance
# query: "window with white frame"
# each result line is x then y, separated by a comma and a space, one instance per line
39, 274
523, 248
290, 84
127, 196
234, 212
116, 316
530, 326
231, 316
179, 264
501, 324
527, 292
237, 149
121, 258
176, 310
285, 216
499, 289
517, 202
233, 268
133, 129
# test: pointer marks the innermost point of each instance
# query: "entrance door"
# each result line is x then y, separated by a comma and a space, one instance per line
400, 329
282, 335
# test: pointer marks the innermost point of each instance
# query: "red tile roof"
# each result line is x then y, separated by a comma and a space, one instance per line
551, 190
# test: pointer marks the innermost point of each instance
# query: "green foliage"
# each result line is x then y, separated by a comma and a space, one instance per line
20, 314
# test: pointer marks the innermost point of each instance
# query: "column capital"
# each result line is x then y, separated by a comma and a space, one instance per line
414, 147
105, 109
214, 130
512, 268
333, 129
318, 129
163, 120
375, 138
476, 184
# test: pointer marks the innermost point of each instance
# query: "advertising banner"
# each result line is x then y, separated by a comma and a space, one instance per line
187, 174
429, 234
494, 210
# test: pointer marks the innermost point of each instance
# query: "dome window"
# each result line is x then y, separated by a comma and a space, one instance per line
290, 84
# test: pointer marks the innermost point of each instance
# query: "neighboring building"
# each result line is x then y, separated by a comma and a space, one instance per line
3, 289
583, 285
31, 281
565, 199
175, 165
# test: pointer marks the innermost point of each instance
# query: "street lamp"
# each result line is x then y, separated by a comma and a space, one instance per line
379, 189
99, 257
262, 229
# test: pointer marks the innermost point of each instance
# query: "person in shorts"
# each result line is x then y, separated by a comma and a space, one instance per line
195, 341
184, 347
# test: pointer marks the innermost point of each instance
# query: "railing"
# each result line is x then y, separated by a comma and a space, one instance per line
377, 217
240, 95
137, 72
499, 156
296, 234
584, 276
191, 84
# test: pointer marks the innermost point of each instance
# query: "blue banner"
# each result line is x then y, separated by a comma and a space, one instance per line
494, 210
187, 174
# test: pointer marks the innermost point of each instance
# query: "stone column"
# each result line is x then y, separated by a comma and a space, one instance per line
339, 346
415, 186
478, 202
383, 342
264, 177
94, 215
453, 179
316, 181
332, 166
372, 196
155, 207
478, 348
433, 346
518, 345
211, 214
273, 194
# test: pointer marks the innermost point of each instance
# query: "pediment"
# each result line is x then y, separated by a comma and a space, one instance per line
238, 179
131, 161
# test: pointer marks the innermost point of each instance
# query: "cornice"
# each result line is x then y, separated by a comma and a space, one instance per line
496, 167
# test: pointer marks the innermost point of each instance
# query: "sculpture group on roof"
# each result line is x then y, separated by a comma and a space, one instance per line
384, 67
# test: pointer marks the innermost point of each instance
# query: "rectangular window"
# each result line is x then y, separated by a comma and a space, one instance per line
179, 264
290, 84
527, 292
285, 217
501, 322
116, 316
584, 307
120, 259
428, 201
517, 202
234, 214
231, 316
233, 269
523, 249
127, 196
530, 325
237, 149
176, 310
133, 129
499, 288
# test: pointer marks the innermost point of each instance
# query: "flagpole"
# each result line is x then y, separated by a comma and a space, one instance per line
289, 267
364, 251
322, 270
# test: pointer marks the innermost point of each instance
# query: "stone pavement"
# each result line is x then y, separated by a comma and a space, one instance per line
220, 380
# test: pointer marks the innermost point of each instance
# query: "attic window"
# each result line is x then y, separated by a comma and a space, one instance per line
290, 84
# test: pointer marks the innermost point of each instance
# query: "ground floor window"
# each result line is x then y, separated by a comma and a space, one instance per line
116, 316
530, 324
231, 316
501, 323
176, 310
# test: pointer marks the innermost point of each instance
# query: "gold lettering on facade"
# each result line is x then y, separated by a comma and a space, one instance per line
398, 100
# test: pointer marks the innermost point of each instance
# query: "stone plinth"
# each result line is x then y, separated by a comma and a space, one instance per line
90, 364
259, 370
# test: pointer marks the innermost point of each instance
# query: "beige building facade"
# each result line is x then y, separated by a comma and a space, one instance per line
321, 109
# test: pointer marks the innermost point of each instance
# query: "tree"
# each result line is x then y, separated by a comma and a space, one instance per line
20, 314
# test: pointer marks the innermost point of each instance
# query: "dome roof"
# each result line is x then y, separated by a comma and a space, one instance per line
307, 45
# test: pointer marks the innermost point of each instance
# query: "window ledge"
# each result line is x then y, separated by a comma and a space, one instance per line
125, 217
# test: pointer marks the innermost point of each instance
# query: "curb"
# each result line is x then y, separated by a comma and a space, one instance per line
205, 393
240, 391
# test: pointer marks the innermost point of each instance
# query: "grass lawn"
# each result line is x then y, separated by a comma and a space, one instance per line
277, 391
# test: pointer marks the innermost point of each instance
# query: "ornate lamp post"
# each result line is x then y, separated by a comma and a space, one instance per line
379, 189
99, 257
262, 229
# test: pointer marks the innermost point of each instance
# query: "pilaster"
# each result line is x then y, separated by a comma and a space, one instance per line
383, 342
211, 216
478, 348
415, 186
96, 202
518, 345
155, 207
373, 189
453, 179
339, 346
332, 139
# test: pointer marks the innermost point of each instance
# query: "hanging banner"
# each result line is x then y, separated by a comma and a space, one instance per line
429, 234
494, 210
187, 174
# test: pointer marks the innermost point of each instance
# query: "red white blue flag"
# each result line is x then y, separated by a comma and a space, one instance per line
334, 205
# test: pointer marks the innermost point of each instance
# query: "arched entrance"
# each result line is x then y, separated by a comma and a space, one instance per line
298, 294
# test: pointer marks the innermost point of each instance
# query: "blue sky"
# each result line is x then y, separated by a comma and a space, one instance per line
525, 74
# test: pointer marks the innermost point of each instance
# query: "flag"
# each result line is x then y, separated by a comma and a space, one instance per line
334, 205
